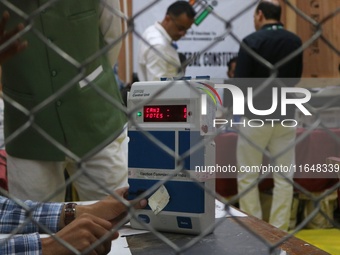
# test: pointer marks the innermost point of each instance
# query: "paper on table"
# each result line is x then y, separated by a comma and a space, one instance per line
120, 246
3, 236
127, 230
220, 211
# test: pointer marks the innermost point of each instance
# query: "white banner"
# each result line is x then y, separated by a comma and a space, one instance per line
208, 42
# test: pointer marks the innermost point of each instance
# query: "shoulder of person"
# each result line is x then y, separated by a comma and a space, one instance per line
253, 38
293, 36
156, 39
148, 31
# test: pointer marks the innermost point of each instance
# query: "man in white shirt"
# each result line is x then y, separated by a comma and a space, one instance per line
158, 55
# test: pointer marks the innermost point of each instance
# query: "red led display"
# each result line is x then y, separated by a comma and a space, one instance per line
165, 113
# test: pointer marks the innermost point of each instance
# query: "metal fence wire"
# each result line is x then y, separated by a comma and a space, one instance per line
316, 199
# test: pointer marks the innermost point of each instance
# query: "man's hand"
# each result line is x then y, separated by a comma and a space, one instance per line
91, 223
110, 208
81, 234
15, 47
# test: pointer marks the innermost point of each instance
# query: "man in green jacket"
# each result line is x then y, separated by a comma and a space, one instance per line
63, 109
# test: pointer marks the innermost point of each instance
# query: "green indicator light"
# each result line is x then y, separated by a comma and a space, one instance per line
203, 15
139, 114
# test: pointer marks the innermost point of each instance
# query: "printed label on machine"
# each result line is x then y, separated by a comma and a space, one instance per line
184, 175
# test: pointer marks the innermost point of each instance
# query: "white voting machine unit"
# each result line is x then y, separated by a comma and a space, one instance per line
179, 116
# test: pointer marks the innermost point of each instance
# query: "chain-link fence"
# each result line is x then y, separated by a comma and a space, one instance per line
313, 208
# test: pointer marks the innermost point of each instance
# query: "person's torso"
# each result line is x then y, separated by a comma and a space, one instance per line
159, 43
276, 45
58, 81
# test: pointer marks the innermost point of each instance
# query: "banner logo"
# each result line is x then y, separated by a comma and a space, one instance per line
239, 102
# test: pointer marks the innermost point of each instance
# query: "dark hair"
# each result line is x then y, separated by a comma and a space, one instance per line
269, 10
180, 7
232, 60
